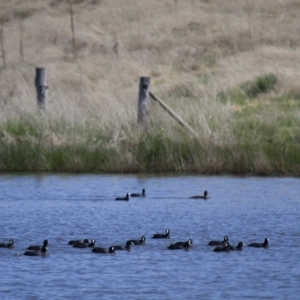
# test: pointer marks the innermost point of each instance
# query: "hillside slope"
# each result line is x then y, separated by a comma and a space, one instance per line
194, 51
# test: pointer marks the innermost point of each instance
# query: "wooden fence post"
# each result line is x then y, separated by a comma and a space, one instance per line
41, 88
143, 104
2, 47
72, 24
21, 42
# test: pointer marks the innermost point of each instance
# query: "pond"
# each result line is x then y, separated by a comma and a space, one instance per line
34, 207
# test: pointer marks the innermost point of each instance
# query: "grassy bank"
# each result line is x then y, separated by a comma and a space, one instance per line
229, 69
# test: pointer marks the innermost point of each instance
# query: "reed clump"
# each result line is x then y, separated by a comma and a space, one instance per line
226, 68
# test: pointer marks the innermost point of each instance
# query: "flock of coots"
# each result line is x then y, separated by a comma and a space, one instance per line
225, 246
221, 246
128, 195
143, 194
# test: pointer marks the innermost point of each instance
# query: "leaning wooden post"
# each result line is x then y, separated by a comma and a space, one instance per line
41, 88
143, 104
173, 114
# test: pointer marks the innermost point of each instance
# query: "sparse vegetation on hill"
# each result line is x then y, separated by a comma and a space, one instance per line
228, 68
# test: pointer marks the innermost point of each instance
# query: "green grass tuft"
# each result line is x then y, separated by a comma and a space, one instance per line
260, 85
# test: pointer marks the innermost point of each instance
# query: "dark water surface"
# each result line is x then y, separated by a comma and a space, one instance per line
64, 207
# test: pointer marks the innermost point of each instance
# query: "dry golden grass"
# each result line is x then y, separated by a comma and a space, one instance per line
173, 42
207, 44
199, 47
